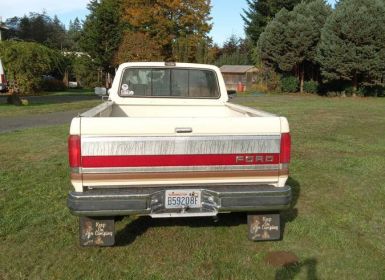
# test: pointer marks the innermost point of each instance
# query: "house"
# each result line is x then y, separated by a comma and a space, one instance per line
239, 77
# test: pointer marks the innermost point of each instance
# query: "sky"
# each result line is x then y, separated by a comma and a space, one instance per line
226, 14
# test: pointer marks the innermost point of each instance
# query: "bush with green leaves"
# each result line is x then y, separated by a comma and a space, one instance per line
85, 71
53, 85
310, 86
375, 91
25, 64
289, 84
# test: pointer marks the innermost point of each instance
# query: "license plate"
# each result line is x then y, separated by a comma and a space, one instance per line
183, 199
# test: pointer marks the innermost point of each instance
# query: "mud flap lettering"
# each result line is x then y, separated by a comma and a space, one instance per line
96, 231
264, 227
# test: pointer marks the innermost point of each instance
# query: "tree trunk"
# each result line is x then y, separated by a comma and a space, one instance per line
65, 78
355, 84
302, 77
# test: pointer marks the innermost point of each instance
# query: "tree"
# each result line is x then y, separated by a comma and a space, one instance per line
260, 12
235, 51
38, 27
352, 46
57, 35
74, 34
102, 32
273, 41
291, 39
178, 27
137, 46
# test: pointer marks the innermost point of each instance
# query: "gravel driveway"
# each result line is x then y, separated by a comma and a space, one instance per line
16, 123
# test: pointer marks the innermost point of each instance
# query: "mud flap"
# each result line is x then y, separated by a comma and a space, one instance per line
97, 231
264, 227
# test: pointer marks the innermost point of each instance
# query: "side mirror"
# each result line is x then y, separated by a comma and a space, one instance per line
100, 91
231, 93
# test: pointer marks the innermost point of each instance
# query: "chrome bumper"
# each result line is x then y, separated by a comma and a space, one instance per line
151, 201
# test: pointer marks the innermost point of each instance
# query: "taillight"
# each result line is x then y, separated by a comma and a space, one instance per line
74, 151
2, 79
285, 148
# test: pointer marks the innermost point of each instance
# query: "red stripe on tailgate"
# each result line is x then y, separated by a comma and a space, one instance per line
179, 160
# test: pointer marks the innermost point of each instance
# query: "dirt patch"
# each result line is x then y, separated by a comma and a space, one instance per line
281, 259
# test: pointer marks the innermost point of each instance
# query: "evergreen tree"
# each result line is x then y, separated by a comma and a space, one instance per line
38, 27
291, 39
235, 51
272, 42
260, 12
352, 46
57, 35
74, 34
102, 32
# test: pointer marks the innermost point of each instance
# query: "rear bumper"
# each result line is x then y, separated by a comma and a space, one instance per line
150, 201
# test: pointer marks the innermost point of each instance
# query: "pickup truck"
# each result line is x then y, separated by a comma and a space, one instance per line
168, 143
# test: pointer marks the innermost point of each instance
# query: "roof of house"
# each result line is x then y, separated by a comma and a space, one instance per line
237, 68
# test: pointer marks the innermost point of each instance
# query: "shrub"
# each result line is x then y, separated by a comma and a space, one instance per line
53, 85
274, 82
14, 99
25, 64
85, 71
335, 94
310, 86
376, 91
289, 84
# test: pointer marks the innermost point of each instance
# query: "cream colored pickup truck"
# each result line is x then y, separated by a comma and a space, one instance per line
167, 143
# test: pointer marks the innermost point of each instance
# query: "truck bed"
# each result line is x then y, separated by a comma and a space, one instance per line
228, 110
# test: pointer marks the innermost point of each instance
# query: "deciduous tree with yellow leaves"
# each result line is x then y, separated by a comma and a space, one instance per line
165, 29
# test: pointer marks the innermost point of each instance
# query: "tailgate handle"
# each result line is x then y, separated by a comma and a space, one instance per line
183, 130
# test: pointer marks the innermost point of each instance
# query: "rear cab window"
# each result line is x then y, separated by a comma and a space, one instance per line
169, 82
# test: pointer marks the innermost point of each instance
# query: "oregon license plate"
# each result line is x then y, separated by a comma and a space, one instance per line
183, 199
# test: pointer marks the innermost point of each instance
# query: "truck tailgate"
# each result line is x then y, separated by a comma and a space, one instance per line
123, 152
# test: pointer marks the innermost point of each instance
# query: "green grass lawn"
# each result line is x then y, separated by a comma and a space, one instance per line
336, 227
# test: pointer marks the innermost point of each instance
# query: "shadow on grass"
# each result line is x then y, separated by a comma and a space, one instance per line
139, 226
291, 271
291, 213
